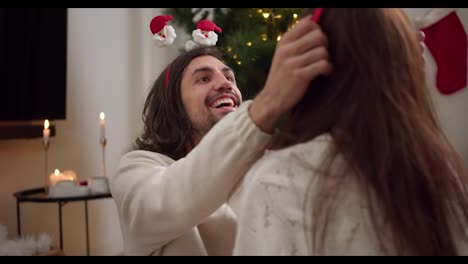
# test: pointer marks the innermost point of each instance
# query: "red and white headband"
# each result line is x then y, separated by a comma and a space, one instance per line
164, 34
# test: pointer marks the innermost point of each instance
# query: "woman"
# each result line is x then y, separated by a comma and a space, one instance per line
361, 167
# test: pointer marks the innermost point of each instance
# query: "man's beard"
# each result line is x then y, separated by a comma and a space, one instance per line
203, 126
208, 123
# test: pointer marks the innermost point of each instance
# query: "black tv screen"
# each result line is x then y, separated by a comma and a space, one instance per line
33, 52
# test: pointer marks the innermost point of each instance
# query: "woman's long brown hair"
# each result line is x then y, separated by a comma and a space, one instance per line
378, 110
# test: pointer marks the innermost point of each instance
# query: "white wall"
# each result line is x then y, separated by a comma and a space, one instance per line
154, 59
111, 65
451, 110
108, 70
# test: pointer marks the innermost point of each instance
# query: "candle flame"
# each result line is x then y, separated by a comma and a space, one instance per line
46, 124
102, 116
56, 172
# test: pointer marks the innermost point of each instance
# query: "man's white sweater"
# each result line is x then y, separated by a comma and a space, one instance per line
169, 207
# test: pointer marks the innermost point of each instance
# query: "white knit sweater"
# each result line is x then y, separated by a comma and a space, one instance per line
274, 207
167, 207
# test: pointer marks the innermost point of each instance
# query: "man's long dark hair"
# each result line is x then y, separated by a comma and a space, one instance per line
167, 128
377, 107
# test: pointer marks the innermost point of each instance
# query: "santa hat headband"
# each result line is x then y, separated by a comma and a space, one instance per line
156, 25
166, 80
159, 22
207, 25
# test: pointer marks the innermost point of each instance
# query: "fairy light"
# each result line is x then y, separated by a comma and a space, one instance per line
295, 16
234, 56
229, 48
266, 15
278, 38
264, 37
248, 44
278, 16
239, 62
260, 11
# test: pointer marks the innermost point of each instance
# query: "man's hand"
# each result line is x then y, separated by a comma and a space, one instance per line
300, 56
421, 36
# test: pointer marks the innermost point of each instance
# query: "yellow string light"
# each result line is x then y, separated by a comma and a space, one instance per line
295, 16
266, 15
278, 16
264, 37
229, 48
239, 62
234, 56
260, 11
278, 38
248, 44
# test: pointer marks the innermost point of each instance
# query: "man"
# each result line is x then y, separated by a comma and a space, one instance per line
171, 193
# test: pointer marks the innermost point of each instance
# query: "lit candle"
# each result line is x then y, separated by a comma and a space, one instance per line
102, 124
46, 131
54, 177
58, 176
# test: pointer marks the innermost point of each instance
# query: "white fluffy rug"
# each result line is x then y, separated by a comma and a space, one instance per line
23, 246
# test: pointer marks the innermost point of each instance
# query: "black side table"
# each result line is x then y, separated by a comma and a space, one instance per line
39, 195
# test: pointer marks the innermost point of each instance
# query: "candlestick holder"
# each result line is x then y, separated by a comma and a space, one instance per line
46, 144
103, 142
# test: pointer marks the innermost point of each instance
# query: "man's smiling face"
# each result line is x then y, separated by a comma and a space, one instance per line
209, 92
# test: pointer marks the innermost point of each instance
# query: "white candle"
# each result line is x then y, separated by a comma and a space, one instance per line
102, 124
46, 131
58, 176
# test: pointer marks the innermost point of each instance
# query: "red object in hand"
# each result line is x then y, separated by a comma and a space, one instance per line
317, 14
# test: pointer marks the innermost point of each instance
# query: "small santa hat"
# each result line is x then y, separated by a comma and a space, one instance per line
207, 25
159, 22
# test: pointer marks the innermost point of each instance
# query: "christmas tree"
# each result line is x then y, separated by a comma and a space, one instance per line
248, 39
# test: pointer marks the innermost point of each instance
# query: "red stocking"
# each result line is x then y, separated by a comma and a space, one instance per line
447, 42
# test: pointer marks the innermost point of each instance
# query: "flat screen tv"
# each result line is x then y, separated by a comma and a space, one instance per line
33, 58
